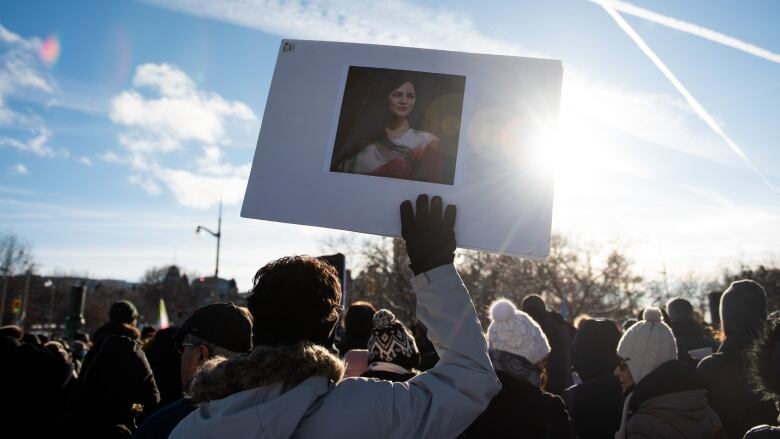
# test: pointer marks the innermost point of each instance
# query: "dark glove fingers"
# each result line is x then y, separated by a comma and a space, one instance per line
449, 217
407, 219
435, 219
421, 217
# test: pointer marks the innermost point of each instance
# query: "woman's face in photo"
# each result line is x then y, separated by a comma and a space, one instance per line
401, 100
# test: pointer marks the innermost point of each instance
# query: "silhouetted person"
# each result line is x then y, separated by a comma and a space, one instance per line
218, 330
595, 405
689, 333
724, 373
113, 390
165, 361
357, 326
559, 364
122, 320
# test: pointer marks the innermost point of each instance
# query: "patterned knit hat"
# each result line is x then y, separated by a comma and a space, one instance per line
514, 331
391, 342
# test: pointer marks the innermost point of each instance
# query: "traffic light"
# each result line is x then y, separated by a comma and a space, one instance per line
16, 305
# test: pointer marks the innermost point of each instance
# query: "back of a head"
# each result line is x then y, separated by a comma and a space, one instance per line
533, 304
679, 310
123, 312
514, 331
224, 325
12, 331
647, 344
743, 309
594, 348
295, 299
358, 319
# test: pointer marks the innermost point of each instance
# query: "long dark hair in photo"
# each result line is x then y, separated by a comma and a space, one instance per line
365, 113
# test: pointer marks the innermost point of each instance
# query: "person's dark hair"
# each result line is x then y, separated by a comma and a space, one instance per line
295, 299
11, 331
764, 362
358, 319
679, 310
370, 128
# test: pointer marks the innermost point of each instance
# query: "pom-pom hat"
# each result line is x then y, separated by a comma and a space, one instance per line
647, 345
514, 331
391, 342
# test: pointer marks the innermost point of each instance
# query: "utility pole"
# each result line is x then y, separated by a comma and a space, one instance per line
218, 235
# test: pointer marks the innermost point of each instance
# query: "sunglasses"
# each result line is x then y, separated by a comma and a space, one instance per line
180, 346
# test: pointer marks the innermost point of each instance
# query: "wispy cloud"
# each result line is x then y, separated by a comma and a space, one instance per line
178, 116
692, 101
20, 169
693, 29
710, 195
22, 74
36, 145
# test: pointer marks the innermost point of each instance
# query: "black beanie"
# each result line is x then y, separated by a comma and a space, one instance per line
123, 312
743, 308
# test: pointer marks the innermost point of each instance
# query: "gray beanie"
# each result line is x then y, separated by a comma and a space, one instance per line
647, 345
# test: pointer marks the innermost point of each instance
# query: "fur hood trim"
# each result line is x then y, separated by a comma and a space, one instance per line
264, 365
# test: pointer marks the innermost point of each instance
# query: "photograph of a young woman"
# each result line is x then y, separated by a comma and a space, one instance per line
398, 150
399, 124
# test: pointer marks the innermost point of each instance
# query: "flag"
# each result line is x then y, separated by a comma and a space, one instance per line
162, 322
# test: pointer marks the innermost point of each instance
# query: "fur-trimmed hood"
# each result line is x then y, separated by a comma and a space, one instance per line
288, 365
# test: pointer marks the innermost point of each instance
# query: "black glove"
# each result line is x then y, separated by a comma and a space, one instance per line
430, 239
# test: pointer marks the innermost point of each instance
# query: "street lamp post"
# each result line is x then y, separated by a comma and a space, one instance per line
218, 235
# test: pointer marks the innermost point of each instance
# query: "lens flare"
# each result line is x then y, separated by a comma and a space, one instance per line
50, 50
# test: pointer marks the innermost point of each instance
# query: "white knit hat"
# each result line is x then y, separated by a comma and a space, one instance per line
647, 345
514, 331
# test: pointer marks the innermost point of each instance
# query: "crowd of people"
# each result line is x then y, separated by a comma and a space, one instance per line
290, 365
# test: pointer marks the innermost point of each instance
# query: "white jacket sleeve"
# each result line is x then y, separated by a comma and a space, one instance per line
445, 400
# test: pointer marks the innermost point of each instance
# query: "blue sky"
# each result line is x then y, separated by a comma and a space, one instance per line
101, 175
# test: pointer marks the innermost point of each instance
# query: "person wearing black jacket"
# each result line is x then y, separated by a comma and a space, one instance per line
743, 311
518, 349
595, 405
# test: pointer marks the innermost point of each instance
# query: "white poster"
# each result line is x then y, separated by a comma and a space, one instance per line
352, 130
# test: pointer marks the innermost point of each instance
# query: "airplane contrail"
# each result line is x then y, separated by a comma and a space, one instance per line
693, 29
692, 101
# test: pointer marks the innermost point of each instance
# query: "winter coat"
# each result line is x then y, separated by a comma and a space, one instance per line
669, 403
103, 333
763, 432
160, 424
724, 374
118, 378
595, 406
252, 394
522, 410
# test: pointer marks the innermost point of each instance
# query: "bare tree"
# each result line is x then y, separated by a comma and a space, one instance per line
603, 286
16, 257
